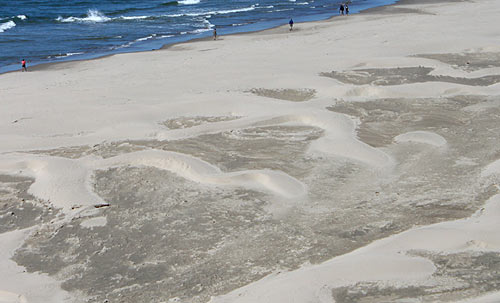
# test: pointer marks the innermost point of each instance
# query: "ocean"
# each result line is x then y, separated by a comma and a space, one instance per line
42, 31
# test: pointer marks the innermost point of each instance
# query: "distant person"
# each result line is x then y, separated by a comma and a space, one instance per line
291, 24
341, 9
215, 33
23, 66
346, 9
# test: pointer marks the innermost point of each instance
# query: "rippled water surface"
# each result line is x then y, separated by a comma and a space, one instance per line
50, 30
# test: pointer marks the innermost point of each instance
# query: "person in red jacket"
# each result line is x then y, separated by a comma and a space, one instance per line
23, 66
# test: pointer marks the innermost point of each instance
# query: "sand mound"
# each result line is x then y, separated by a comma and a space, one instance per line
421, 137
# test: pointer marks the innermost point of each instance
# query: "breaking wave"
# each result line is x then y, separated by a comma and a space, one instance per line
62, 55
7, 25
133, 17
93, 16
189, 2
222, 12
169, 3
153, 36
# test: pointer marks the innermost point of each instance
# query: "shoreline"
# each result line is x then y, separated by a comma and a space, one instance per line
49, 65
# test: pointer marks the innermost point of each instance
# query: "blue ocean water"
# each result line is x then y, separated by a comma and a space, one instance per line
53, 30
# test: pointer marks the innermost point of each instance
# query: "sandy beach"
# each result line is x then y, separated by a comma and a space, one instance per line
354, 159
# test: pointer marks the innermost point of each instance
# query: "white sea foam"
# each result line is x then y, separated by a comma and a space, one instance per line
22, 17
64, 55
200, 30
145, 38
239, 10
97, 16
133, 17
222, 12
7, 25
207, 23
189, 2
176, 15
128, 44
93, 16
153, 36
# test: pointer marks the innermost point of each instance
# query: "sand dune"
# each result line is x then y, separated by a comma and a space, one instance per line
352, 159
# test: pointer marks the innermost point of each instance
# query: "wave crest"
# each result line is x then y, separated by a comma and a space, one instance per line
169, 3
221, 12
7, 25
93, 16
189, 2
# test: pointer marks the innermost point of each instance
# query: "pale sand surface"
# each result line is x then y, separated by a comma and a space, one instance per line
351, 160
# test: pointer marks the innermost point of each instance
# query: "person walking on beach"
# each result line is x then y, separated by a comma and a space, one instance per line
215, 33
23, 66
291, 24
346, 9
341, 9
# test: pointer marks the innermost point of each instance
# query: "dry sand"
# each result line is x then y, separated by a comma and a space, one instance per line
351, 160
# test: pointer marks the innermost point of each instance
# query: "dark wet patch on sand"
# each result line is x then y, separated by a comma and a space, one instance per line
467, 61
187, 122
262, 147
294, 95
105, 150
457, 276
18, 209
404, 75
165, 237
384, 119
268, 147
168, 237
